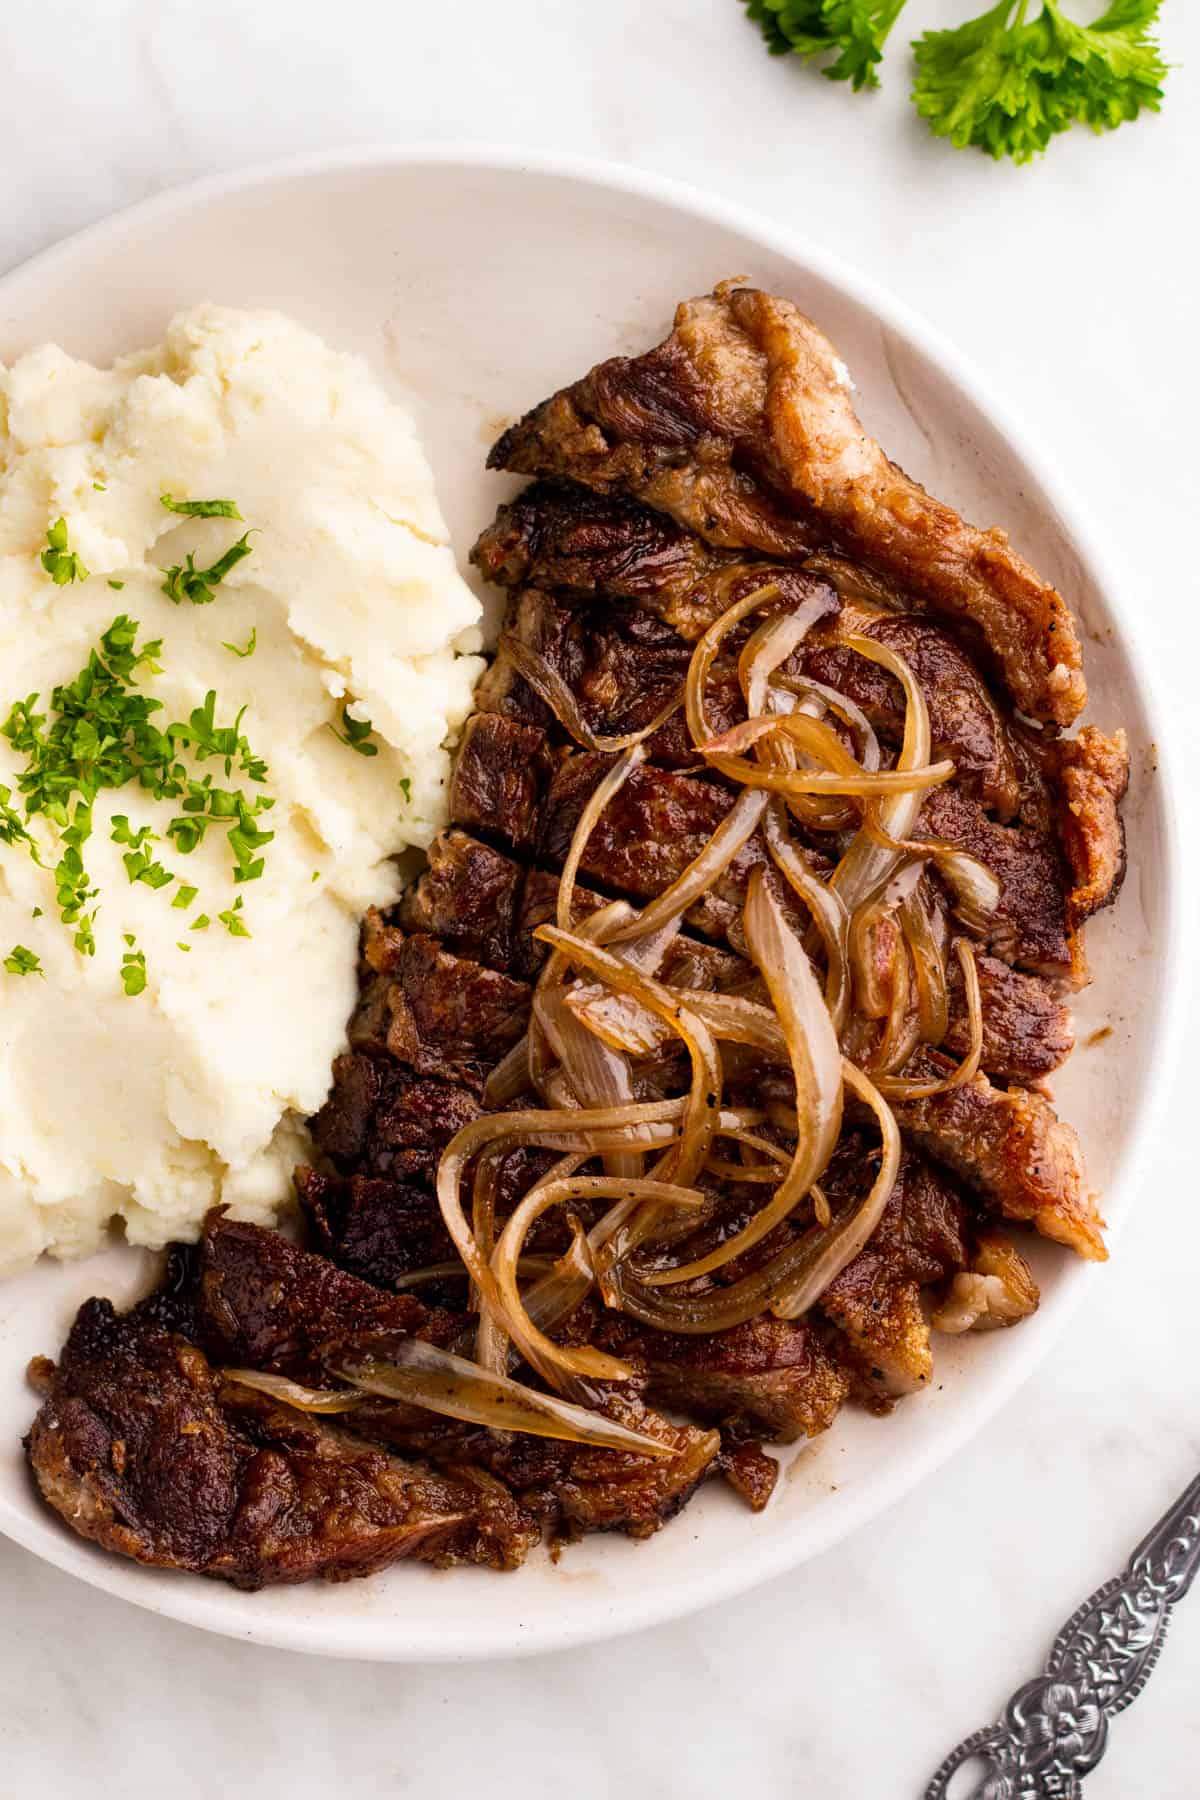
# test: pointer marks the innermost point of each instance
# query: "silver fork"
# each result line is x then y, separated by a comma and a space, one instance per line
1055, 1728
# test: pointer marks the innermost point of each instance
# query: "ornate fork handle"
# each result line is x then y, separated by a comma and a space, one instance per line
1055, 1728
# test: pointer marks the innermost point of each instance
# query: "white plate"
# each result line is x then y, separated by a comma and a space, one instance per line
481, 280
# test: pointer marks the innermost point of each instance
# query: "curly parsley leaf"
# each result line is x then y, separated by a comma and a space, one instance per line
357, 733
61, 563
201, 509
856, 29
251, 644
186, 582
21, 961
1007, 84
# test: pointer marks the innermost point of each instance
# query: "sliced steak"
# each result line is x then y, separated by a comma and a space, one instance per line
741, 427
965, 722
1032, 924
1027, 1031
448, 1015
1091, 776
379, 1230
1011, 1148
142, 1448
500, 775
875, 1302
263, 1303
469, 896
769, 1377
380, 1119
647, 835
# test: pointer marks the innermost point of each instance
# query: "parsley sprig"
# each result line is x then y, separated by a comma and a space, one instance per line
856, 29
1007, 81
1007, 84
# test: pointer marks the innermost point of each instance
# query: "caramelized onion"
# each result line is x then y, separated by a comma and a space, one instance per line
422, 1375
293, 1393
825, 904
895, 1087
816, 1067
613, 781
705, 653
723, 847
933, 1003
550, 1359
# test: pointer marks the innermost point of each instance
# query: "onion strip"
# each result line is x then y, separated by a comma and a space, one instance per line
550, 687
420, 1374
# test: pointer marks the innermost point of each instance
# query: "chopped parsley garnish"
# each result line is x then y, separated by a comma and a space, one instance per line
251, 643
118, 585
139, 863
133, 968
357, 731
405, 786
184, 895
234, 925
100, 487
100, 732
186, 582
61, 564
200, 923
201, 509
21, 961
36, 913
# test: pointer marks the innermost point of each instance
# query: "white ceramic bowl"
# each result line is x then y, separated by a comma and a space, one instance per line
480, 280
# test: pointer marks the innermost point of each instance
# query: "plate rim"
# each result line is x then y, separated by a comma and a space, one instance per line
202, 1605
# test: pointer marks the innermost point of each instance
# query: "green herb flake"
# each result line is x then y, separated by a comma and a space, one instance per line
251, 644
184, 581
405, 786
21, 961
60, 563
357, 731
200, 923
118, 585
133, 970
201, 509
181, 944
233, 923
185, 895
100, 487
36, 913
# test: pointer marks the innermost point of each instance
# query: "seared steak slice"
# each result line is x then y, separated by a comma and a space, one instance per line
378, 1230
610, 1490
965, 721
500, 775
380, 1119
143, 1449
1091, 776
1027, 1031
263, 1303
583, 545
769, 1377
1011, 1148
468, 896
647, 835
740, 426
1032, 925
875, 1302
449, 1016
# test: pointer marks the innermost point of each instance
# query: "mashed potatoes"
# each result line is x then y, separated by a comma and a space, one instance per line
149, 1105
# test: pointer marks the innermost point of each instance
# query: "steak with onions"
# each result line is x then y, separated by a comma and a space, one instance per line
724, 468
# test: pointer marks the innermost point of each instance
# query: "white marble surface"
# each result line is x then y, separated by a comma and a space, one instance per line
1073, 284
